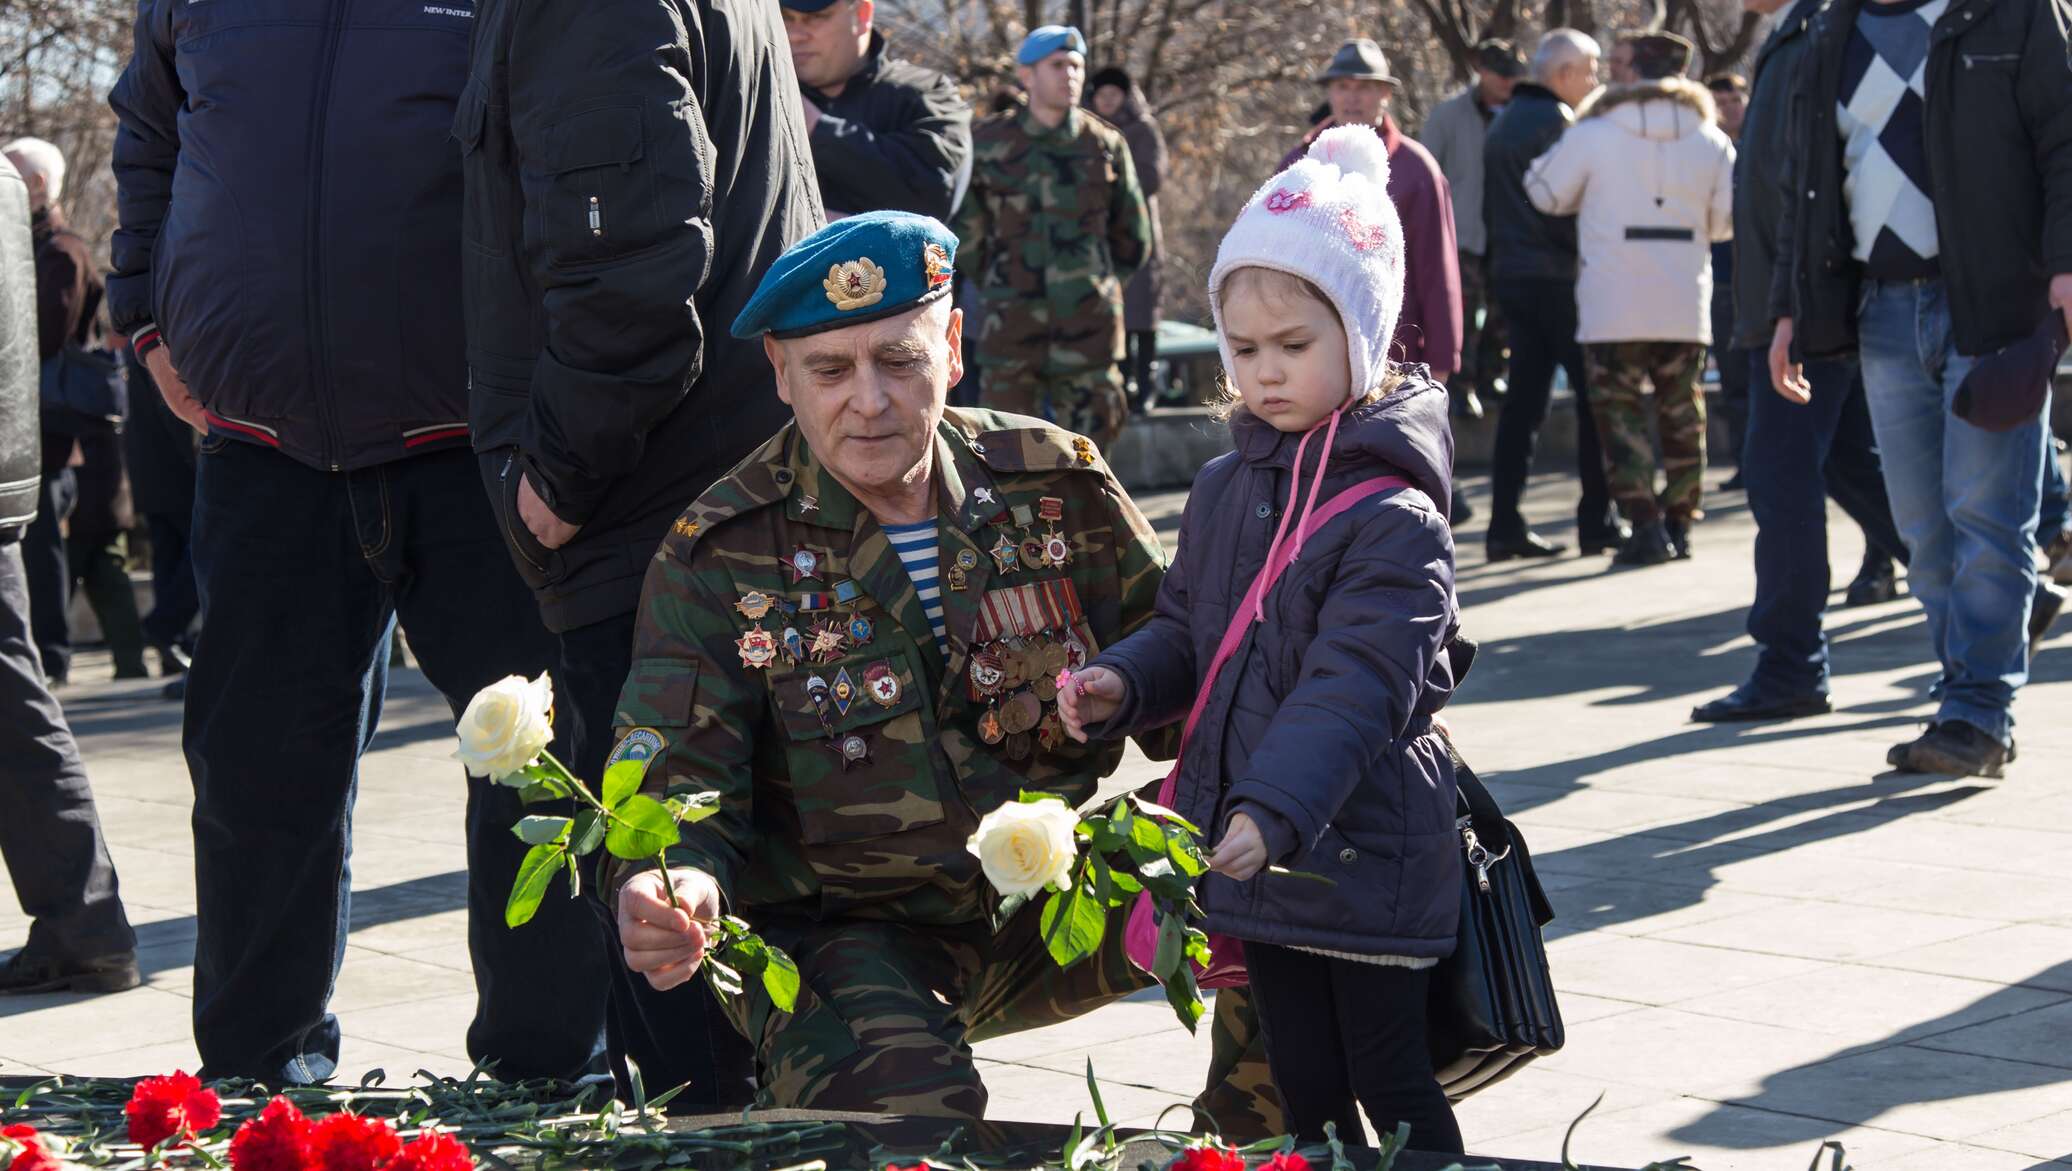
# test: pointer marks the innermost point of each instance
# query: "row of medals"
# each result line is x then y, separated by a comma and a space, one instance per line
832, 638
1017, 676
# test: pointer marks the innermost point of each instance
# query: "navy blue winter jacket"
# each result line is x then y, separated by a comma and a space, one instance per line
290, 206
1320, 726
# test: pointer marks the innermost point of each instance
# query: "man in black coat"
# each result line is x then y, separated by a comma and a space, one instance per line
288, 267
1532, 270
887, 135
632, 168
50, 836
1931, 185
1793, 456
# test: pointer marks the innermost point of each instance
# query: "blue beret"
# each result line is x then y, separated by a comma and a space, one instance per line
861, 268
1042, 42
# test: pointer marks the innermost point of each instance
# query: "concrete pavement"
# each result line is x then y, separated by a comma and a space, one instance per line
1766, 939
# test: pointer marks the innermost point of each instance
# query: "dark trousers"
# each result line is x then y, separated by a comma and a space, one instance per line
1541, 318
49, 572
99, 565
175, 602
50, 835
1734, 369
303, 575
1143, 354
1797, 456
1483, 347
678, 1037
1343, 1035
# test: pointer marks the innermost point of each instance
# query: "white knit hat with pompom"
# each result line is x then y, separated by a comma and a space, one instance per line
1329, 220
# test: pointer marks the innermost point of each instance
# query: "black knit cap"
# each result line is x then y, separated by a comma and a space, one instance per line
1658, 56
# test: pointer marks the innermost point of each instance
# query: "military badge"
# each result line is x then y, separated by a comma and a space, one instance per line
967, 560
1023, 515
855, 284
989, 729
883, 685
1075, 651
1051, 508
817, 691
847, 592
1020, 714
1057, 551
958, 579
754, 604
1005, 553
860, 630
986, 674
808, 504
855, 748
805, 564
684, 528
1032, 553
1018, 746
827, 645
985, 496
757, 648
637, 744
844, 692
935, 264
794, 645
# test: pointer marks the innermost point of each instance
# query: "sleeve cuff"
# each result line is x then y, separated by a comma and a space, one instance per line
144, 339
1281, 839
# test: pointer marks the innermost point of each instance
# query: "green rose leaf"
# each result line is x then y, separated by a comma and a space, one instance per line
1148, 836
1154, 809
534, 873
538, 831
722, 977
1072, 925
1186, 855
539, 791
588, 833
1185, 998
1172, 943
692, 808
622, 780
781, 981
641, 829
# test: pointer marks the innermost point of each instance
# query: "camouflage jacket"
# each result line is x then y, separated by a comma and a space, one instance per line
1052, 228
851, 780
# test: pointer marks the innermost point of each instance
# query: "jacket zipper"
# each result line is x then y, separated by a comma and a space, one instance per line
1974, 60
319, 320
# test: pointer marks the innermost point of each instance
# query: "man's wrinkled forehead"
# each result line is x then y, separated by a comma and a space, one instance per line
914, 333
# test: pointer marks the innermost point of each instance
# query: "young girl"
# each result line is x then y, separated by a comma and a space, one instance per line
1315, 748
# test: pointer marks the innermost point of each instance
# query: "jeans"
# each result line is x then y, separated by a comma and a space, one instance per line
1339, 1032
678, 1037
303, 575
50, 834
49, 572
1541, 318
1797, 456
1965, 499
2055, 512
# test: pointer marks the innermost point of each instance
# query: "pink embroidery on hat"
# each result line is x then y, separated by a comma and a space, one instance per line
1364, 236
1283, 201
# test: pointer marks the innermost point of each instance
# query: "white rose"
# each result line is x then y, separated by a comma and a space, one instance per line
1024, 847
506, 727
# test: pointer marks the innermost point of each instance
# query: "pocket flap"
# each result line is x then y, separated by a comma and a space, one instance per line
659, 693
594, 138
878, 689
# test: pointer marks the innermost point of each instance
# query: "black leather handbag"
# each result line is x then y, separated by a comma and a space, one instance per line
84, 391
1492, 1006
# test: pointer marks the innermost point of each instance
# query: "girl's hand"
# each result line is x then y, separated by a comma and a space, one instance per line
1242, 852
1092, 695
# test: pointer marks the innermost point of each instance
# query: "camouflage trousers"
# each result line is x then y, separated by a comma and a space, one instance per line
1090, 402
1619, 374
887, 1014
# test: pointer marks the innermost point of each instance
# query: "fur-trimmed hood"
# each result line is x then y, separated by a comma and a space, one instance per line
1638, 109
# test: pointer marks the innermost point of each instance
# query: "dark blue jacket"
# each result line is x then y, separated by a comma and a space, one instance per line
290, 208
1320, 727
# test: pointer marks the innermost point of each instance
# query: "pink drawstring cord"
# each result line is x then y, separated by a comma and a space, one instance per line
1330, 428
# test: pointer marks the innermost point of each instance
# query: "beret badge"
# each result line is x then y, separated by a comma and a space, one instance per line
855, 284
935, 261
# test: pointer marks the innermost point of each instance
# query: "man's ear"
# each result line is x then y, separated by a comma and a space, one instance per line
866, 11
955, 336
1026, 76
774, 351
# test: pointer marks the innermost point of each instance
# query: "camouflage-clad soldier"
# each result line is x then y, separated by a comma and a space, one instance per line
852, 638
1053, 226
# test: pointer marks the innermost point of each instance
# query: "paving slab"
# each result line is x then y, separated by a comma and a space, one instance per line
1766, 938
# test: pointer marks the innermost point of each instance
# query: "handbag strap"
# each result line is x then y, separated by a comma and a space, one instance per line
1248, 610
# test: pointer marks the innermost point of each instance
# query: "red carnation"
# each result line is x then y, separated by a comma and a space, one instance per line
1209, 1159
31, 1154
276, 1140
433, 1151
348, 1142
161, 1108
1286, 1161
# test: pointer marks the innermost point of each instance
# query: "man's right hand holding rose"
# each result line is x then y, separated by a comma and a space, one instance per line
1095, 694
658, 940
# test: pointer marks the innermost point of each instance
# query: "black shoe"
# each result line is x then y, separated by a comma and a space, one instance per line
1462, 511
1522, 544
1896, 756
132, 670
172, 659
2044, 610
1748, 702
1592, 541
1733, 483
1466, 404
1876, 581
25, 973
1679, 537
1649, 545
1957, 749
176, 691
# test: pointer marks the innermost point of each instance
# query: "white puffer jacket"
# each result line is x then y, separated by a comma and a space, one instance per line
1650, 177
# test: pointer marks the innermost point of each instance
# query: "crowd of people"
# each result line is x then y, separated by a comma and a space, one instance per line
662, 368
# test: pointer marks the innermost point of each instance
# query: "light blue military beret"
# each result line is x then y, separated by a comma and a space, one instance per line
1042, 42
857, 269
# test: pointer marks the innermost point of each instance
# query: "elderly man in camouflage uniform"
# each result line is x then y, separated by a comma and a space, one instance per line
1053, 227
852, 638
